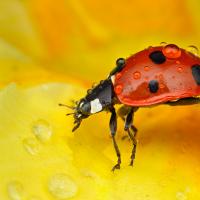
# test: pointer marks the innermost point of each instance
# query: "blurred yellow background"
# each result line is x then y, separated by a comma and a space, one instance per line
50, 52
83, 38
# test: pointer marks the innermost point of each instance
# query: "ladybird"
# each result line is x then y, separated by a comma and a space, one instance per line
157, 75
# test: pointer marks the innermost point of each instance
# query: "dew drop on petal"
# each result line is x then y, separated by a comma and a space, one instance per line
42, 130
15, 190
61, 186
171, 51
136, 75
118, 89
193, 49
31, 145
181, 196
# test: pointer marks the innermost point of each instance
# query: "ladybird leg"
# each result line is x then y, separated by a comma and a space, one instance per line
130, 128
113, 129
123, 112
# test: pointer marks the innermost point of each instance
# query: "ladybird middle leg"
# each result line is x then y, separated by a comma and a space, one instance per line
113, 129
127, 114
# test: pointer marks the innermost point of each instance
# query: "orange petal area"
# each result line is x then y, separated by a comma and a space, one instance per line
42, 159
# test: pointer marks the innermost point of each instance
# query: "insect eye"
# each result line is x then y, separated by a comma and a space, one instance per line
120, 62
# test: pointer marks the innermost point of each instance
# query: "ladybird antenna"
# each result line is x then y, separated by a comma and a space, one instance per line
69, 114
70, 107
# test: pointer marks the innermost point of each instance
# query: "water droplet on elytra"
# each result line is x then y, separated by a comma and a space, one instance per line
146, 68
161, 85
61, 186
136, 75
118, 89
171, 51
163, 43
118, 76
193, 49
31, 145
180, 69
15, 190
42, 130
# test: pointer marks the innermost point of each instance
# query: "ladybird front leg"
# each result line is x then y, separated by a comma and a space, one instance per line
113, 129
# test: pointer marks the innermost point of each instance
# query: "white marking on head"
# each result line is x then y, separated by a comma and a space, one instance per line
81, 104
113, 79
95, 106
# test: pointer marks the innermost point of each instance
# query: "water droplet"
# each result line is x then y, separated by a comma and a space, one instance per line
94, 85
15, 190
171, 51
89, 91
161, 85
118, 76
42, 130
146, 68
118, 89
180, 69
178, 62
136, 75
62, 186
163, 43
181, 196
31, 145
193, 49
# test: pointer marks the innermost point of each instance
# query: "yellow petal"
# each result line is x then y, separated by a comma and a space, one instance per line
42, 159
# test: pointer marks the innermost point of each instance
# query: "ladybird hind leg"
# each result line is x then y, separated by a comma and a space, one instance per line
127, 114
113, 129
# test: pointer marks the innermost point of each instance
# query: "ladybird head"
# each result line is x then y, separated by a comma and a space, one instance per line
97, 99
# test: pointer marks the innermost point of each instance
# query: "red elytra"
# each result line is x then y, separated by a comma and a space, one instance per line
174, 77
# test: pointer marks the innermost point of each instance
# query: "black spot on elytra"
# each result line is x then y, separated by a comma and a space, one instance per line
196, 73
157, 57
153, 86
